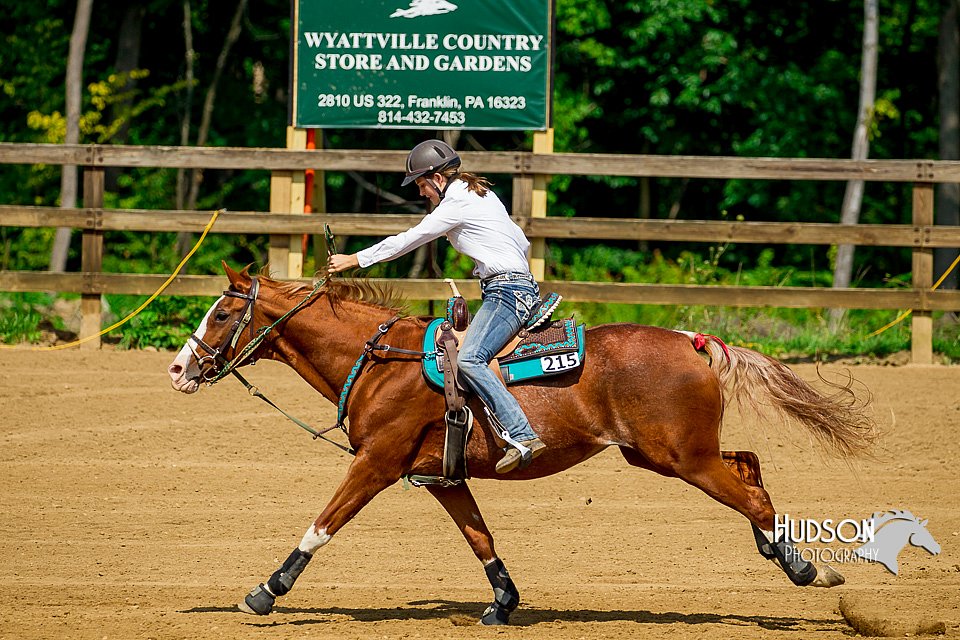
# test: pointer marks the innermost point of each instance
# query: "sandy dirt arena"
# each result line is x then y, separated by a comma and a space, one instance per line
130, 510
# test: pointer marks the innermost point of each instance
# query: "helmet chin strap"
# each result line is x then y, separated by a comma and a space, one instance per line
443, 192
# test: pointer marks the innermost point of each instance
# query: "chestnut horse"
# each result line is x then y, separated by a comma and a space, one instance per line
643, 389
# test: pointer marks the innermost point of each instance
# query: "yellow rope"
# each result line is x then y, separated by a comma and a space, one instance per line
143, 306
898, 320
906, 313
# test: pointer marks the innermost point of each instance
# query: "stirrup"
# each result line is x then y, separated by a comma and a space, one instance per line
525, 454
512, 459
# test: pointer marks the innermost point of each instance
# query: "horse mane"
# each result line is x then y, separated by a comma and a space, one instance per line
366, 292
341, 289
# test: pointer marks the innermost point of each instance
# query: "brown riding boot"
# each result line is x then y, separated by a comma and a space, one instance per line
512, 458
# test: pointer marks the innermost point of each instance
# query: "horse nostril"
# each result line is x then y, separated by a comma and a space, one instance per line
175, 369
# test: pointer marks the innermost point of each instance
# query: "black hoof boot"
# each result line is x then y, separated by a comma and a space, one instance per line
801, 572
505, 595
258, 602
495, 614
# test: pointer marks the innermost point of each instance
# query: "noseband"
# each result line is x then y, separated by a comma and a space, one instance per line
215, 355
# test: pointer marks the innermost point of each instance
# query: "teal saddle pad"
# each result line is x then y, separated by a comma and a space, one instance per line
561, 351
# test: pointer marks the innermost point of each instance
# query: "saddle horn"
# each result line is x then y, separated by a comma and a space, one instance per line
457, 312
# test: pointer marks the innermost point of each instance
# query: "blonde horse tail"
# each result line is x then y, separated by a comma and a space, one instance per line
838, 420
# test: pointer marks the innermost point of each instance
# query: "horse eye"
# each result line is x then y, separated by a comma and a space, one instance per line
221, 315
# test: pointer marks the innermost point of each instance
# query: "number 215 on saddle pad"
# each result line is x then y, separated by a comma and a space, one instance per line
547, 350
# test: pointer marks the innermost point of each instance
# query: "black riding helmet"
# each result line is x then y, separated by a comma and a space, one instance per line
431, 156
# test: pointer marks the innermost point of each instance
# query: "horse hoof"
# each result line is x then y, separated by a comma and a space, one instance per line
827, 577
242, 606
258, 602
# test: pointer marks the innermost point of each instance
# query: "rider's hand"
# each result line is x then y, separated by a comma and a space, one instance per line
339, 262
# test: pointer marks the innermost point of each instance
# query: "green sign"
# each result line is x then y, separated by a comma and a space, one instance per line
422, 64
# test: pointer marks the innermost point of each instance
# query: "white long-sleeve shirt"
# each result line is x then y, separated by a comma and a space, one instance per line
477, 227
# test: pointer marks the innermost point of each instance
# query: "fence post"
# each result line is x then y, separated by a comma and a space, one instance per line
542, 143
522, 205
91, 261
318, 204
922, 320
287, 196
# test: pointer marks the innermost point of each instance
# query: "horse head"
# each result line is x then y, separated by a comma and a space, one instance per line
922, 538
226, 328
892, 531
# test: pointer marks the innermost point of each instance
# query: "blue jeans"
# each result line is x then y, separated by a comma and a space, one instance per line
508, 301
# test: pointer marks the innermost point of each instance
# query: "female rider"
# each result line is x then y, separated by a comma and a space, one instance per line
475, 222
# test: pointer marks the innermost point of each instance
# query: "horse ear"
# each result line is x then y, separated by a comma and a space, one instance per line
924, 523
232, 275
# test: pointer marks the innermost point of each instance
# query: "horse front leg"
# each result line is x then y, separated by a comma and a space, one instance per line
462, 507
362, 482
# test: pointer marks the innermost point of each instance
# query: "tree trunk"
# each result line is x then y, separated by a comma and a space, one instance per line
233, 34
853, 197
127, 60
74, 87
947, 200
185, 124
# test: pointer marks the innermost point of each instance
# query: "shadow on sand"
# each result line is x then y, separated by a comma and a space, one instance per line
525, 616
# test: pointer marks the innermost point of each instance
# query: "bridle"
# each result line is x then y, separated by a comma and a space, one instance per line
219, 365
223, 367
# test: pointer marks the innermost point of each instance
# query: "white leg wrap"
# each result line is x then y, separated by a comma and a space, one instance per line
313, 540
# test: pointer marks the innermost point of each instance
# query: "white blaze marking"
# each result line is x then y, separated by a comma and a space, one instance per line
188, 364
202, 329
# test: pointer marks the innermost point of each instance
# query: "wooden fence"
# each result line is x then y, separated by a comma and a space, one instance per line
528, 170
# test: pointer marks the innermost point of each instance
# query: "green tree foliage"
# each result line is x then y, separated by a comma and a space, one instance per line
741, 78
690, 77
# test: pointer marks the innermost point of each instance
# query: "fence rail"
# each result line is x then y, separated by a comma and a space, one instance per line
921, 236
362, 224
519, 162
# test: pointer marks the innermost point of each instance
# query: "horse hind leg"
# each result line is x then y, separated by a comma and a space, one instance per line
460, 504
746, 466
714, 478
734, 479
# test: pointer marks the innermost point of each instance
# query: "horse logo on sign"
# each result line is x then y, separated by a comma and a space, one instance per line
420, 8
893, 530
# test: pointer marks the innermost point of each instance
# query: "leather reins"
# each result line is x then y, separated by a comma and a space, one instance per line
221, 367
